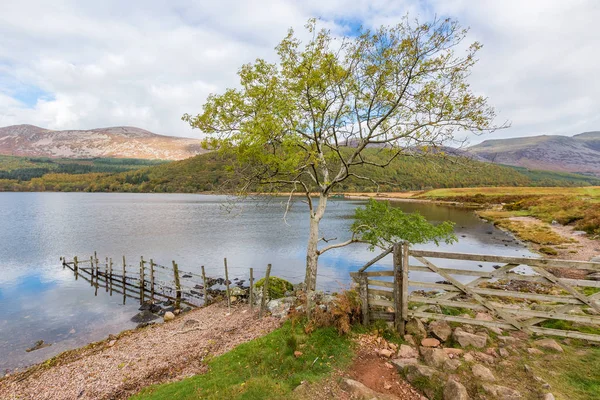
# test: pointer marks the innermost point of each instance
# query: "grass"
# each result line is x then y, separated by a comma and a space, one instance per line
265, 368
534, 232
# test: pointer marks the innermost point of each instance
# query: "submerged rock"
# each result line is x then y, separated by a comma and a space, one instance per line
144, 316
40, 344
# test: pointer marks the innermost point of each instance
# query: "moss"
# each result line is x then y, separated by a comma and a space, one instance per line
277, 286
548, 250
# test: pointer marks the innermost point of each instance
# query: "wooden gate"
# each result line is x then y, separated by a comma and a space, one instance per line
517, 293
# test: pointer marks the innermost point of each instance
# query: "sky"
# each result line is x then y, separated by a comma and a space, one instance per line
88, 64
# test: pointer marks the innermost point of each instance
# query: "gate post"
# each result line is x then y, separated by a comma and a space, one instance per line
400, 252
363, 288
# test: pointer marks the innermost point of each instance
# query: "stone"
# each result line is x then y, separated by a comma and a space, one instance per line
454, 390
386, 353
279, 308
548, 396
430, 342
416, 328
40, 344
503, 352
418, 371
401, 363
501, 392
484, 357
534, 351
549, 344
451, 365
483, 317
237, 291
506, 339
465, 339
595, 259
440, 330
297, 353
359, 391
410, 340
483, 373
453, 352
469, 357
407, 352
190, 323
144, 316
169, 316
111, 343
433, 357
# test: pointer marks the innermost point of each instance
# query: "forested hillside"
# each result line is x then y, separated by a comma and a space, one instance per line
210, 173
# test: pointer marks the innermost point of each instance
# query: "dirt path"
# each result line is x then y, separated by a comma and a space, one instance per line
159, 353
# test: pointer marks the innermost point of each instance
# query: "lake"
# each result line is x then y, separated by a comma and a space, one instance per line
39, 300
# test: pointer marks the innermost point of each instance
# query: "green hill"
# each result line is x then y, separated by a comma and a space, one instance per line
210, 173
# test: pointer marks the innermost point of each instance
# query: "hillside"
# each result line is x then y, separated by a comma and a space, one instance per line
210, 173
114, 142
579, 154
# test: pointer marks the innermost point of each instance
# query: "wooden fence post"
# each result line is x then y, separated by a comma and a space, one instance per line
204, 286
227, 286
152, 280
404, 286
124, 281
400, 286
363, 290
263, 301
251, 289
142, 280
106, 275
177, 285
76, 267
110, 273
91, 270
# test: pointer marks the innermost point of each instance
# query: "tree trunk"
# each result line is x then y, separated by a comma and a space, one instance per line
312, 254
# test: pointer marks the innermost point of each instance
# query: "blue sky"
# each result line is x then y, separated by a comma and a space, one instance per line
86, 64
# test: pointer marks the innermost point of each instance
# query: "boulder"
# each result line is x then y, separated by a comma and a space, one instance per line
430, 342
418, 371
407, 352
465, 339
401, 363
483, 373
440, 330
454, 390
169, 316
359, 391
501, 392
549, 344
279, 308
144, 316
451, 365
416, 328
433, 357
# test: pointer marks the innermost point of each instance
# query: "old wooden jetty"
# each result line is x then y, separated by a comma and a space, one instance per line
519, 293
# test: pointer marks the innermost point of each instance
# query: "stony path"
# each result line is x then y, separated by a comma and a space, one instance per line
165, 352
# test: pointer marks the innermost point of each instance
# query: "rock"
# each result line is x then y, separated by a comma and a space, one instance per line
469, 357
359, 391
504, 353
407, 352
483, 317
401, 363
297, 353
190, 323
186, 309
169, 316
153, 308
279, 308
483, 373
386, 353
548, 396
410, 340
418, 371
501, 392
433, 357
111, 343
595, 259
430, 342
440, 330
40, 344
416, 328
453, 352
452, 365
144, 316
506, 339
237, 291
483, 357
549, 344
454, 390
144, 324
465, 339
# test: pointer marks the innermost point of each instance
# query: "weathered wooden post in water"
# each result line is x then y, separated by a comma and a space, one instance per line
227, 286
251, 289
110, 265
76, 267
106, 275
142, 280
152, 280
263, 301
177, 285
206, 302
124, 281
91, 270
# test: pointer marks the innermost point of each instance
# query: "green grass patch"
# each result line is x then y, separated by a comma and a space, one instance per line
264, 368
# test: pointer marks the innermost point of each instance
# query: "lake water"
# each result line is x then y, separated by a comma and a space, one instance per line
39, 300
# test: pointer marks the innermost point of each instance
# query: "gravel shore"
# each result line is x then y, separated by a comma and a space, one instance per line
118, 368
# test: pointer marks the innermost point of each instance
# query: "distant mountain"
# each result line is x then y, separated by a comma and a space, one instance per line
114, 142
579, 154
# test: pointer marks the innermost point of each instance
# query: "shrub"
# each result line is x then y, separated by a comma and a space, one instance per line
277, 287
342, 313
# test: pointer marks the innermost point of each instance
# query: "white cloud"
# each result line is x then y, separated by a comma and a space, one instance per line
145, 63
